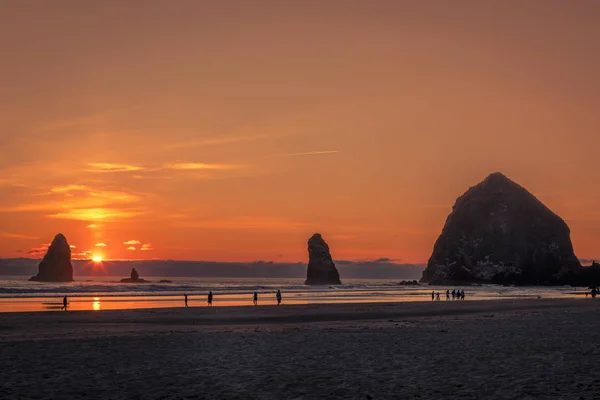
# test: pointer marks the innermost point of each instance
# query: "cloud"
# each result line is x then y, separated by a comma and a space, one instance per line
309, 153
41, 250
100, 245
72, 246
131, 248
10, 235
201, 166
91, 226
146, 247
109, 167
96, 214
132, 242
68, 188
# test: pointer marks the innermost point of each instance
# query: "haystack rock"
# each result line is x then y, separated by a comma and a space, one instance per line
56, 265
498, 232
321, 269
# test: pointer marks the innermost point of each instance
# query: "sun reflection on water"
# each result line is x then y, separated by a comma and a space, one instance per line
96, 304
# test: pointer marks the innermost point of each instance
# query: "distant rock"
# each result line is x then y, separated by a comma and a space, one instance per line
165, 281
414, 282
321, 269
498, 232
135, 278
56, 265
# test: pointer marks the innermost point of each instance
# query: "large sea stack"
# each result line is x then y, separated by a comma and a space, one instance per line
321, 269
56, 264
498, 232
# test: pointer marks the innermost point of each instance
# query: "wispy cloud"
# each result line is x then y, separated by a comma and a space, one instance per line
68, 188
100, 244
131, 248
72, 246
202, 166
109, 167
146, 247
16, 236
96, 214
132, 242
41, 250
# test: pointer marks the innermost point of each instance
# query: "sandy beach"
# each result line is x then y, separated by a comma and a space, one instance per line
505, 349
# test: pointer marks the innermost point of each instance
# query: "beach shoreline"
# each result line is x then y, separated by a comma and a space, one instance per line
493, 349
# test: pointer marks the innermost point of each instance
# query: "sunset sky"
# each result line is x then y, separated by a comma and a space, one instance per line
233, 130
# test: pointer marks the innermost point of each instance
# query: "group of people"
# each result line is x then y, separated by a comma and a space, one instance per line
254, 298
456, 295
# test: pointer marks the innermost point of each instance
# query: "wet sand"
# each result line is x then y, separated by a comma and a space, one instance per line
505, 349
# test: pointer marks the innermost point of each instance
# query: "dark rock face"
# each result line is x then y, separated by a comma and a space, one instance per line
135, 278
321, 269
498, 232
56, 265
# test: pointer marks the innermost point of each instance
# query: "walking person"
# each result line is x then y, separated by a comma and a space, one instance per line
437, 296
255, 298
432, 296
278, 296
210, 298
185, 299
64, 306
447, 294
453, 294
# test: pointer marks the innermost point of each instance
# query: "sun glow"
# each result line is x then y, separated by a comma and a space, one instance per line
97, 259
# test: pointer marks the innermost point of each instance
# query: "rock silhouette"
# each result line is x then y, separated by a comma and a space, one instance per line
321, 269
498, 232
56, 265
134, 278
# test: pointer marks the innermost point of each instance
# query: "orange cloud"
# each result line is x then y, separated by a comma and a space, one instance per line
100, 245
108, 167
72, 246
202, 166
131, 248
96, 214
146, 247
16, 236
132, 242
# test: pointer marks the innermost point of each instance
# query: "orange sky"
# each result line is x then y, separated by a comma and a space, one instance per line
233, 130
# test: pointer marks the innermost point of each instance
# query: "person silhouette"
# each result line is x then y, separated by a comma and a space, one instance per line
462, 294
447, 294
185, 299
278, 296
255, 298
64, 307
453, 294
432, 296
437, 296
210, 298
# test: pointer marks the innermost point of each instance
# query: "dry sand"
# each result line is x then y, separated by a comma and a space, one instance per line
506, 349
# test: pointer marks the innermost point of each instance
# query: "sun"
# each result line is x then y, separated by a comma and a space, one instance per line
97, 259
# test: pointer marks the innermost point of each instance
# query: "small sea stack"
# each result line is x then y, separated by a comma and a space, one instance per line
321, 269
134, 278
56, 265
498, 232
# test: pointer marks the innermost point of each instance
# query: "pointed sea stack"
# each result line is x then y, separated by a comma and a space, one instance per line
321, 269
498, 232
56, 265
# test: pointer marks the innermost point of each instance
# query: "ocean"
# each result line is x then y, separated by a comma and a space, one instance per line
107, 293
